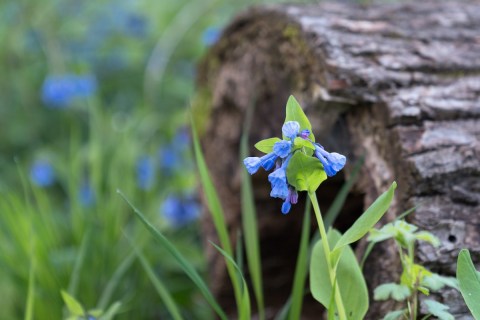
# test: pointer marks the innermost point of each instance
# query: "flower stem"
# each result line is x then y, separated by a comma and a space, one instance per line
326, 248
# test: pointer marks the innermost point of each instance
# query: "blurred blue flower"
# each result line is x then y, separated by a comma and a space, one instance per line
145, 172
86, 195
210, 36
136, 25
58, 91
180, 211
42, 173
170, 159
172, 156
290, 129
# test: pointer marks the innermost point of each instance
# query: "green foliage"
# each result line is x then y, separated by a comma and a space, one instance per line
404, 233
368, 219
349, 279
305, 173
396, 315
469, 282
266, 145
295, 112
438, 309
394, 291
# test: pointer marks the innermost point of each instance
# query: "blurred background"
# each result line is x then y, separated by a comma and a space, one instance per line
94, 98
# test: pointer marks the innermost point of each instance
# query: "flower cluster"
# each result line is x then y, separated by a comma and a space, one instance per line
279, 158
60, 90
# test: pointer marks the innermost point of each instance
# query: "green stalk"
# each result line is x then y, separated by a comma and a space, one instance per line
326, 248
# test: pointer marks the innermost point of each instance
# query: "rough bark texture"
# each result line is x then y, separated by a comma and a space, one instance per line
398, 83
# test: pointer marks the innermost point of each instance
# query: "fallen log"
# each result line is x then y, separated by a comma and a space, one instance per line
398, 84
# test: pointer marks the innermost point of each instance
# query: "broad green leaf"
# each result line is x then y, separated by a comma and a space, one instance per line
295, 113
186, 266
469, 282
368, 219
427, 237
305, 173
438, 309
300, 143
266, 145
73, 306
350, 280
392, 290
395, 315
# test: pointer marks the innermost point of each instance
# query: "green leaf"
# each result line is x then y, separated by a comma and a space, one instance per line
186, 266
436, 282
304, 145
112, 311
368, 219
395, 315
305, 173
469, 282
295, 113
427, 237
266, 145
392, 290
438, 309
73, 306
350, 280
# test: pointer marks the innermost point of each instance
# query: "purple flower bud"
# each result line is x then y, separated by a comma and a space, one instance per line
304, 134
290, 129
292, 195
332, 162
282, 148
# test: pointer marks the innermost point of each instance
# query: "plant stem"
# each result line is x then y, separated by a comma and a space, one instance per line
326, 248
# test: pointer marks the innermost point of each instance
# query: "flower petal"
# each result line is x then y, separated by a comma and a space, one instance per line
290, 129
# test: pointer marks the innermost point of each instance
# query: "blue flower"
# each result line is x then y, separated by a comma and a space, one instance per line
286, 206
290, 129
282, 148
254, 163
42, 173
332, 162
145, 172
292, 198
278, 179
136, 25
86, 195
210, 36
179, 212
59, 91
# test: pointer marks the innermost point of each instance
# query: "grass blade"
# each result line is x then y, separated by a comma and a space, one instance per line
31, 289
159, 286
184, 264
301, 268
245, 305
216, 211
75, 277
249, 222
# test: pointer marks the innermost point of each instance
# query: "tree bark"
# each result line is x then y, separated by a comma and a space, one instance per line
398, 84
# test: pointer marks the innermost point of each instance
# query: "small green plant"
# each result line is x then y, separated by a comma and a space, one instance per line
76, 311
469, 281
415, 278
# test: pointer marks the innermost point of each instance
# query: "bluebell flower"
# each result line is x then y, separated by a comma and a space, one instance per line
136, 25
282, 148
169, 159
332, 162
278, 180
291, 198
210, 36
290, 129
145, 172
179, 212
254, 163
286, 206
59, 91
42, 173
86, 195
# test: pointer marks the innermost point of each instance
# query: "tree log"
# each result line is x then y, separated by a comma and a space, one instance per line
398, 84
